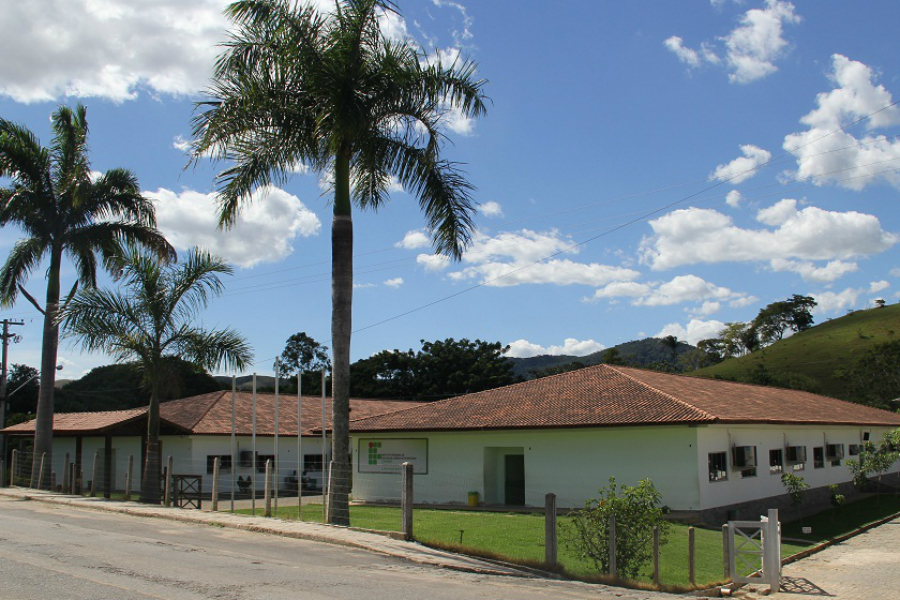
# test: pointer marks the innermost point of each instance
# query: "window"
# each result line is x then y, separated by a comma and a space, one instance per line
854, 449
818, 457
312, 462
718, 466
751, 472
866, 435
261, 462
796, 457
798, 467
776, 461
224, 463
834, 453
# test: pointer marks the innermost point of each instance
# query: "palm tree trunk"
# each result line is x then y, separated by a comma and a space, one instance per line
43, 428
341, 326
150, 477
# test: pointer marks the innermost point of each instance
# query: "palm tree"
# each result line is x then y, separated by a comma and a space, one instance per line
151, 324
330, 91
63, 210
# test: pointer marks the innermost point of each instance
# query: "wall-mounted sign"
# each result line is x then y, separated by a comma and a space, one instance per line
385, 455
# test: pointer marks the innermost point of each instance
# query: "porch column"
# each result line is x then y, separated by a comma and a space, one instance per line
107, 467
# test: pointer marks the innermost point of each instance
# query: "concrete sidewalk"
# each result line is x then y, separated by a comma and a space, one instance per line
343, 536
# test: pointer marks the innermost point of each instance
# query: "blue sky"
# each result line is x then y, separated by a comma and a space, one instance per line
685, 163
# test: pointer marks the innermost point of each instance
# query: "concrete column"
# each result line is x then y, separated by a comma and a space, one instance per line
107, 467
656, 555
692, 577
612, 546
268, 489
167, 497
129, 474
95, 473
550, 540
772, 551
215, 485
406, 501
726, 554
72, 477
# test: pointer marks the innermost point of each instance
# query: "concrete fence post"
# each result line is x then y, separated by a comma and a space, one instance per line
726, 554
94, 474
167, 498
52, 481
267, 494
66, 474
772, 551
73, 474
612, 546
40, 480
656, 555
129, 474
215, 485
14, 465
691, 558
550, 540
406, 501
2, 473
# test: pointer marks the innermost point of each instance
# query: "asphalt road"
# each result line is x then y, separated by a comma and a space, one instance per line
59, 553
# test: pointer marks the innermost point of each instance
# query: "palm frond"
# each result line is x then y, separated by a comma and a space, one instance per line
24, 257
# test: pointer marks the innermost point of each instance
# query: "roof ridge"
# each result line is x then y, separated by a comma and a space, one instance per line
666, 394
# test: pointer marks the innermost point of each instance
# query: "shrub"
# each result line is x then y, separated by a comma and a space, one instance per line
796, 488
637, 510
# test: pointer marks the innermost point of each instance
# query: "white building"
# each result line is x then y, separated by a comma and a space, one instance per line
196, 430
710, 446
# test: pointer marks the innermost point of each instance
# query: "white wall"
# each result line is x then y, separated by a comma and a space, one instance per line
572, 463
720, 438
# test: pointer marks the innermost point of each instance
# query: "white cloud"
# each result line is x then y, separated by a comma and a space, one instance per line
491, 209
571, 347
743, 167
688, 56
750, 50
829, 302
733, 199
829, 273
623, 289
708, 308
363, 286
877, 286
263, 232
685, 288
108, 48
825, 154
414, 239
509, 259
742, 302
394, 283
433, 262
895, 272
693, 236
694, 331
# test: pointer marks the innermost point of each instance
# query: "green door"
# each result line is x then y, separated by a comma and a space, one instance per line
515, 479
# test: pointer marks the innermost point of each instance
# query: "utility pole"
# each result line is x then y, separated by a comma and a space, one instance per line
6, 336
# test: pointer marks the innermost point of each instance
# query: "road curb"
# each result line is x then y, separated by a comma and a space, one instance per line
340, 536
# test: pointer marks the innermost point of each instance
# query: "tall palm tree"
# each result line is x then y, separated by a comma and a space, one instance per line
62, 209
295, 86
151, 324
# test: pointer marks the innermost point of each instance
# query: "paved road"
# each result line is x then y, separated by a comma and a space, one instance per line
865, 567
48, 551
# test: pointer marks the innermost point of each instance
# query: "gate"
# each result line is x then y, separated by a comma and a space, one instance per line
187, 491
754, 548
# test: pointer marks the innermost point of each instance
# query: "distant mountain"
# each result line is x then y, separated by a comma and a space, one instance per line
638, 353
817, 354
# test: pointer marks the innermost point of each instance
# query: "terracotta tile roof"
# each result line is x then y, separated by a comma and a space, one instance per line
606, 395
83, 423
210, 414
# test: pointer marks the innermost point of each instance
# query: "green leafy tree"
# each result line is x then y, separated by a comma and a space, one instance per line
612, 356
62, 210
152, 321
714, 348
22, 383
738, 339
793, 314
386, 374
302, 352
330, 91
637, 511
875, 377
575, 365
796, 488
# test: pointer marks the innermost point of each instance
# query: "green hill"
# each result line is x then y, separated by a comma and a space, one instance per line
819, 352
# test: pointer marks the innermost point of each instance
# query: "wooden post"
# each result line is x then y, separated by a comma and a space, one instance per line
94, 474
406, 501
612, 546
691, 563
215, 485
656, 555
550, 541
726, 555
14, 464
267, 495
66, 474
167, 498
40, 480
129, 473
2, 473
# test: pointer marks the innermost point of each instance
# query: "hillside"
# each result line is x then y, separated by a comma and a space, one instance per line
638, 353
820, 351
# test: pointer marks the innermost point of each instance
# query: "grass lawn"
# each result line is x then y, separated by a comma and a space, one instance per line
832, 523
520, 536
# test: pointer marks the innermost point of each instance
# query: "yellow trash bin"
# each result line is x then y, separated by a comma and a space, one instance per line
473, 499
